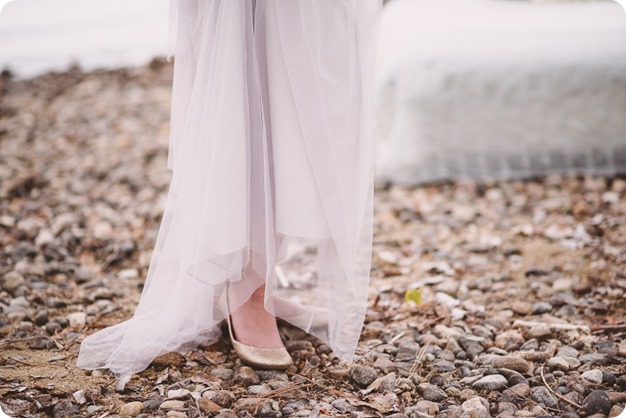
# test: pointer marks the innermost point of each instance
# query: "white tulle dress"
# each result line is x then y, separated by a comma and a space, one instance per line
271, 152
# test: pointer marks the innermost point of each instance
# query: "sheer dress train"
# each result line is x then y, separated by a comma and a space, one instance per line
271, 155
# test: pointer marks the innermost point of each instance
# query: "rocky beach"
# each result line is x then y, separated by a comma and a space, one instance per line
487, 298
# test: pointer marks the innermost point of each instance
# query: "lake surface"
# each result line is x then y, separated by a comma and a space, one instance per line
41, 35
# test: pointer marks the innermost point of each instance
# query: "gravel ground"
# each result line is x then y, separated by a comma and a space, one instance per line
488, 298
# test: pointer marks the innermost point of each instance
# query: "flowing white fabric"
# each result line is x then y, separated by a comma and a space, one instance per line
271, 152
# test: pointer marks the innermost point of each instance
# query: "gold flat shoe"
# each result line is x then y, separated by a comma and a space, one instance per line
265, 358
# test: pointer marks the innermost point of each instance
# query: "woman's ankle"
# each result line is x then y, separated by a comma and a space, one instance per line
254, 325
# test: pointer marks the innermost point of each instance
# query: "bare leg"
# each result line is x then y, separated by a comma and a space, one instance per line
253, 325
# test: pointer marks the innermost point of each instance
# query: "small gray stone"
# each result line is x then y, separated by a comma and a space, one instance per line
442, 366
363, 375
593, 376
567, 351
594, 359
491, 382
541, 307
259, 389
41, 318
476, 407
65, 408
94, 409
12, 280
471, 347
558, 363
597, 402
543, 396
385, 365
222, 373
608, 378
433, 393
519, 391
247, 376
506, 408
407, 351
425, 407
224, 398
342, 405
152, 404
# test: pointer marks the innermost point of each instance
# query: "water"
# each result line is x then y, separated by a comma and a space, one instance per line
37, 36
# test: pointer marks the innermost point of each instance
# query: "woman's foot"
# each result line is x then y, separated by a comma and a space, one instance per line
253, 325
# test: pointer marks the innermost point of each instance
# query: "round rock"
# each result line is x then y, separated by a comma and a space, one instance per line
512, 363
491, 382
131, 409
247, 376
597, 402
363, 375
543, 396
433, 393
593, 376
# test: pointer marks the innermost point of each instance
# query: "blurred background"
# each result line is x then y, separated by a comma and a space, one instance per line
466, 88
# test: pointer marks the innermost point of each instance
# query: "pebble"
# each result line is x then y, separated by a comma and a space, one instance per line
131, 409
597, 402
226, 413
385, 365
540, 308
558, 363
471, 347
342, 405
93, 409
225, 398
169, 359
593, 376
407, 351
616, 411
443, 366
363, 375
622, 348
508, 338
11, 281
246, 376
258, 390
77, 319
79, 396
433, 393
521, 307
540, 333
172, 404
521, 390
425, 407
151, 404
594, 359
65, 409
542, 395
476, 407
491, 382
222, 373
511, 362
608, 378
442, 331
